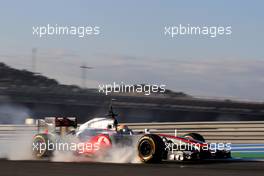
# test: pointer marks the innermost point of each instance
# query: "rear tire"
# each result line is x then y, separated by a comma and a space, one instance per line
151, 148
40, 148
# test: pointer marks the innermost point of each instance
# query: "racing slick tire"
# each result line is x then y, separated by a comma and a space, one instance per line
40, 148
150, 148
194, 136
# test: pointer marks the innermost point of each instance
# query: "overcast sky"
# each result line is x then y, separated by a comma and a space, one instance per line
132, 47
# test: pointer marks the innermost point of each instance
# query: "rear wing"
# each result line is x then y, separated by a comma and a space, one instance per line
53, 123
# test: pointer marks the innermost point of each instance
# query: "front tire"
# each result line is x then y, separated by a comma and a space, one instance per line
151, 148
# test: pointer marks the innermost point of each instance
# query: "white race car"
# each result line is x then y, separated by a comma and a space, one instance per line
102, 133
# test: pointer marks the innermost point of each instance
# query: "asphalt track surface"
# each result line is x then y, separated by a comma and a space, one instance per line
46, 168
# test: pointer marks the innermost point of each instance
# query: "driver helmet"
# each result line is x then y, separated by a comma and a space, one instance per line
122, 128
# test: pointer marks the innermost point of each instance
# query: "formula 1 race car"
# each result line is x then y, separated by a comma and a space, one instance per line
101, 134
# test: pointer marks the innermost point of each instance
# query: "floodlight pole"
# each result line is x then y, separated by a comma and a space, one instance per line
84, 68
34, 59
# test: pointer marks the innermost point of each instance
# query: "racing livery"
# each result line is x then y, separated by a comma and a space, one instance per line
102, 133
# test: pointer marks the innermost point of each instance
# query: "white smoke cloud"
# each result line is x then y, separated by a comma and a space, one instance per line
116, 154
17, 147
13, 114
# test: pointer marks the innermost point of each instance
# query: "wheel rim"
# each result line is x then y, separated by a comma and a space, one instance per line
145, 148
38, 142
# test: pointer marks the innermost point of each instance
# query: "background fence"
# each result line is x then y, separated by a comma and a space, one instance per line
236, 132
